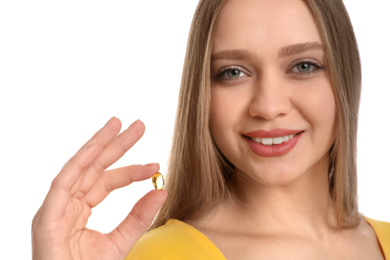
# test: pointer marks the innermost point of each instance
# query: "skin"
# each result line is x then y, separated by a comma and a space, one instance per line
282, 201
277, 203
58, 228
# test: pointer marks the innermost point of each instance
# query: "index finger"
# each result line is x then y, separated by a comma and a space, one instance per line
114, 150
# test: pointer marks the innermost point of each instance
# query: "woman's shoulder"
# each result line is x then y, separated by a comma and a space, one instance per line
382, 231
174, 240
380, 227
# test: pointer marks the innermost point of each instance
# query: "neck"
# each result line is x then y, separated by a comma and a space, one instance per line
303, 204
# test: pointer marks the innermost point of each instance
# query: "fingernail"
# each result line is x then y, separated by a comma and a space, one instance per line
134, 123
109, 121
151, 164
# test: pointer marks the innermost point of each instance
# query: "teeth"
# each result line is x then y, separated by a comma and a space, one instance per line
277, 140
267, 141
274, 140
257, 140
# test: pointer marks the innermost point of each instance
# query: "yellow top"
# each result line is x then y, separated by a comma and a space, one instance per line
382, 230
177, 240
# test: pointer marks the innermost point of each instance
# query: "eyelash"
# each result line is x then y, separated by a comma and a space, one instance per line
316, 66
221, 73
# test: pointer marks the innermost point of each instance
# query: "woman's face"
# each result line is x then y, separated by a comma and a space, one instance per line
273, 109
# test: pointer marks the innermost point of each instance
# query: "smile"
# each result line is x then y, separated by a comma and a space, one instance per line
272, 141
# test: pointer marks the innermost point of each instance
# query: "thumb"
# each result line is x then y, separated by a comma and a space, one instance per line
138, 221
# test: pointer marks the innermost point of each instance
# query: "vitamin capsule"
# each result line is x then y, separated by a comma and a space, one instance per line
158, 181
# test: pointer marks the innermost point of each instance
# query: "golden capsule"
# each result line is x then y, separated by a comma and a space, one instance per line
158, 181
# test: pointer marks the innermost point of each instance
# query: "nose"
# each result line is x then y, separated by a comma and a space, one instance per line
270, 98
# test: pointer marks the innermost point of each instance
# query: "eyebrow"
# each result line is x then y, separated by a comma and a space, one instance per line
237, 54
230, 55
299, 48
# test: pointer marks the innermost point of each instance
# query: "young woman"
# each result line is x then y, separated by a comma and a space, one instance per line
263, 160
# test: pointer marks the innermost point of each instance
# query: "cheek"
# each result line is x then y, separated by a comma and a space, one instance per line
320, 111
327, 108
218, 123
218, 119
225, 110
226, 115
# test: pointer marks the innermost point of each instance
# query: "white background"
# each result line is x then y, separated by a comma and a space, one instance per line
66, 67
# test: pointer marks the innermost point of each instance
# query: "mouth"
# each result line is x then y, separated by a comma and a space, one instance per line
277, 142
273, 140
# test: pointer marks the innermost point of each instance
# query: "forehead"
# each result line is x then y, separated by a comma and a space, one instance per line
262, 23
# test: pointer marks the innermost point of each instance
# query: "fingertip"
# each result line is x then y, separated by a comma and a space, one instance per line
160, 195
114, 122
139, 121
139, 125
155, 199
154, 167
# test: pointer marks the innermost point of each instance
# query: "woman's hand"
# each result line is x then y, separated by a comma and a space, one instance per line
58, 228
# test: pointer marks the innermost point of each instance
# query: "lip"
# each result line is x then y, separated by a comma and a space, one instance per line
272, 150
272, 133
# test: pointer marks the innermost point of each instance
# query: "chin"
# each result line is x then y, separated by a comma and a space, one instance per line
271, 176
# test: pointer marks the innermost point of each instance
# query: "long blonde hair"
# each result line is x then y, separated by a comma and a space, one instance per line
198, 174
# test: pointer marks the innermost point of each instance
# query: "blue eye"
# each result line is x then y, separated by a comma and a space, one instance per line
230, 73
306, 67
